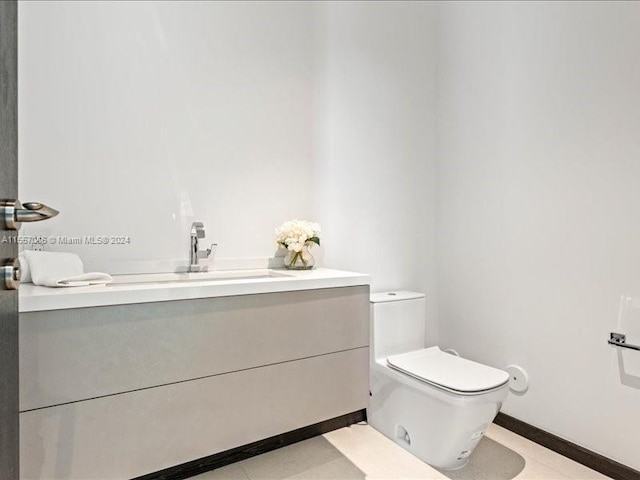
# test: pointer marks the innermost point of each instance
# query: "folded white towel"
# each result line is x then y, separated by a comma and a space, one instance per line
25, 272
57, 269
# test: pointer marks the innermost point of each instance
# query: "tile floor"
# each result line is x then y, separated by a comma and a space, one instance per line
360, 452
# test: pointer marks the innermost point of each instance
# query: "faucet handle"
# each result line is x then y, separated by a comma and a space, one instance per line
202, 254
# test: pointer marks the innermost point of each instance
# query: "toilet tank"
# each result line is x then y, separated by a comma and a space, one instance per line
397, 322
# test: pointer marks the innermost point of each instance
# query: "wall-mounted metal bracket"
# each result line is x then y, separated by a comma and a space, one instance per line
620, 340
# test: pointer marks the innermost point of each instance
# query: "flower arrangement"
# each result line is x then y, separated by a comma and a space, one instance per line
297, 236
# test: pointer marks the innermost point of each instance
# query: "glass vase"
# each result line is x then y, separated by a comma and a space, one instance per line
302, 260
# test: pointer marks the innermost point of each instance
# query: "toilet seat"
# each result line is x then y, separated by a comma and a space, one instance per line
448, 372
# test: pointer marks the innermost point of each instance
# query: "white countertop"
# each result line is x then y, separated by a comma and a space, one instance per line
35, 298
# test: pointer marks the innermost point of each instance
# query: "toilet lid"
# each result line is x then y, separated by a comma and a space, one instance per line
456, 374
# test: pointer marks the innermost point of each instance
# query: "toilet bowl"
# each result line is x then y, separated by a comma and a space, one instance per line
434, 404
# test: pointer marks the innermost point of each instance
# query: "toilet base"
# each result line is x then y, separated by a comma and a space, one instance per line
439, 427
464, 464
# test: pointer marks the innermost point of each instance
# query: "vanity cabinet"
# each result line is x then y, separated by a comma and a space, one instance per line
120, 391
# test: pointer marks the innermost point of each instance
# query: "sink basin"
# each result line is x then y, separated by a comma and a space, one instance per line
164, 278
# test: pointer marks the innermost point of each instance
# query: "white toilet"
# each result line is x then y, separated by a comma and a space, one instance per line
434, 404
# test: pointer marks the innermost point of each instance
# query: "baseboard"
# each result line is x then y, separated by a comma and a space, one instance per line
205, 464
590, 459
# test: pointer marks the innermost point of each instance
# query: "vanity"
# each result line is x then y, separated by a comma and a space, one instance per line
155, 371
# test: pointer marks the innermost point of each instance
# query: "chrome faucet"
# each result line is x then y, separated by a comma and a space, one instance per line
199, 259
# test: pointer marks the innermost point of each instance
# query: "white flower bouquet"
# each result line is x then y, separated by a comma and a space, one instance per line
297, 236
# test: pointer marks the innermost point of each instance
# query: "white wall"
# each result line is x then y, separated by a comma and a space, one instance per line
376, 169
538, 121
137, 118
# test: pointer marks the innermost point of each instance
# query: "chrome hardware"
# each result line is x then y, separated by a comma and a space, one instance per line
11, 274
195, 254
13, 213
620, 340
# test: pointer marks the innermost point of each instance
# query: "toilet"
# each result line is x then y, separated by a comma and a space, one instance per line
434, 404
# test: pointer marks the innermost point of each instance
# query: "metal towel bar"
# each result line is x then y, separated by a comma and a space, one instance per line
620, 340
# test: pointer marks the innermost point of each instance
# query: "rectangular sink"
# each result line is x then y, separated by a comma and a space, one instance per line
166, 278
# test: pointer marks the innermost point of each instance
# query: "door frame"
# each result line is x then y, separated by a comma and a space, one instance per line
9, 400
